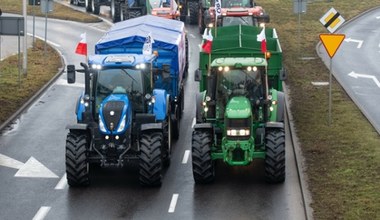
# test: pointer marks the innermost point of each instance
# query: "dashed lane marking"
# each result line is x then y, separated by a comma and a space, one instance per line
186, 157
173, 203
62, 183
42, 212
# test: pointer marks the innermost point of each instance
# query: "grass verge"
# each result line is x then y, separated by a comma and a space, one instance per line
59, 11
15, 90
343, 160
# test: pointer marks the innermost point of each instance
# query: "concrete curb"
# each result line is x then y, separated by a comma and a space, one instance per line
37, 95
299, 159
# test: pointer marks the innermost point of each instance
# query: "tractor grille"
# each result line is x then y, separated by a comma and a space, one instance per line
112, 112
238, 154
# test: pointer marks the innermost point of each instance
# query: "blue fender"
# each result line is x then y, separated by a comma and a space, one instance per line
124, 118
80, 108
160, 104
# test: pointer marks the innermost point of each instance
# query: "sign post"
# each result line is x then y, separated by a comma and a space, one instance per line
332, 20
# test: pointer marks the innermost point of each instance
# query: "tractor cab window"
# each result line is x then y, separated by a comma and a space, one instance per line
240, 82
131, 82
243, 20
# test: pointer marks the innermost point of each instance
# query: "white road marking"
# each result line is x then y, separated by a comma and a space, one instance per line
193, 123
359, 42
63, 82
42, 212
192, 36
357, 75
33, 168
62, 183
320, 83
47, 41
10, 162
173, 203
378, 17
186, 157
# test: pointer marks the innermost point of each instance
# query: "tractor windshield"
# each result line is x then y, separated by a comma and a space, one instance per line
132, 82
240, 82
243, 20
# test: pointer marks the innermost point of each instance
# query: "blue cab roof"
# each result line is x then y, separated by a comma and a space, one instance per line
110, 60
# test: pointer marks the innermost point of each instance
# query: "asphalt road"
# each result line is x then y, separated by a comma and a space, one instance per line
32, 166
356, 63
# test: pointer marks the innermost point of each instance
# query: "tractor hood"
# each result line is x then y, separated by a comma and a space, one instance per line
238, 107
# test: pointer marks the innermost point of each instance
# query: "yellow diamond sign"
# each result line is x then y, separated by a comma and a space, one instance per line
332, 42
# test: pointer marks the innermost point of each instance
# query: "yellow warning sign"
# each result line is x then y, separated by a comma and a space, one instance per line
332, 42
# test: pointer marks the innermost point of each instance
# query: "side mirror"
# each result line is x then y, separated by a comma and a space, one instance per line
198, 75
283, 74
70, 74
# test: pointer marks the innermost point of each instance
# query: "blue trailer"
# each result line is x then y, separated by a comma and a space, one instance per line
169, 43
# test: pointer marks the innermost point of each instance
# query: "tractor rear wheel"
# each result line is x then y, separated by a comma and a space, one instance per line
150, 157
275, 156
95, 6
115, 11
88, 5
203, 165
193, 10
134, 14
77, 166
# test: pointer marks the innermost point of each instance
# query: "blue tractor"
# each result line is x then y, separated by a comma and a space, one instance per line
121, 118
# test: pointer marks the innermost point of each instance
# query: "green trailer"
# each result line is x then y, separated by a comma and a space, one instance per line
240, 107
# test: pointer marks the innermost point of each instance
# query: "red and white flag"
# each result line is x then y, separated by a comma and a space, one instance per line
82, 45
261, 38
207, 41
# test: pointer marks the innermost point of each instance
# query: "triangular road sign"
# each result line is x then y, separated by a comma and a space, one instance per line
332, 42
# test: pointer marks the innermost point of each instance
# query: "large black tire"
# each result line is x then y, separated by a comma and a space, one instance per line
201, 22
193, 10
275, 155
88, 5
203, 165
168, 137
134, 14
115, 11
77, 166
150, 165
95, 5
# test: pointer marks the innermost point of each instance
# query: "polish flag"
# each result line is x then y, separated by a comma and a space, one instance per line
207, 41
261, 38
82, 45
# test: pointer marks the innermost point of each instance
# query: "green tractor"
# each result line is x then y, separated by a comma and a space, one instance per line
240, 107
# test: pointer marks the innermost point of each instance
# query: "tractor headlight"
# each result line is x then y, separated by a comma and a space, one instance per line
101, 125
96, 66
122, 124
238, 132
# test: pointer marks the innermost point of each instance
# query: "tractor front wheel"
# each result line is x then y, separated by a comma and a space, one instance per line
203, 165
95, 6
275, 155
150, 157
77, 166
193, 11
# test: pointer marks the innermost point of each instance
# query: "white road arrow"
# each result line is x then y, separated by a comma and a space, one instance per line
32, 167
360, 42
357, 75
